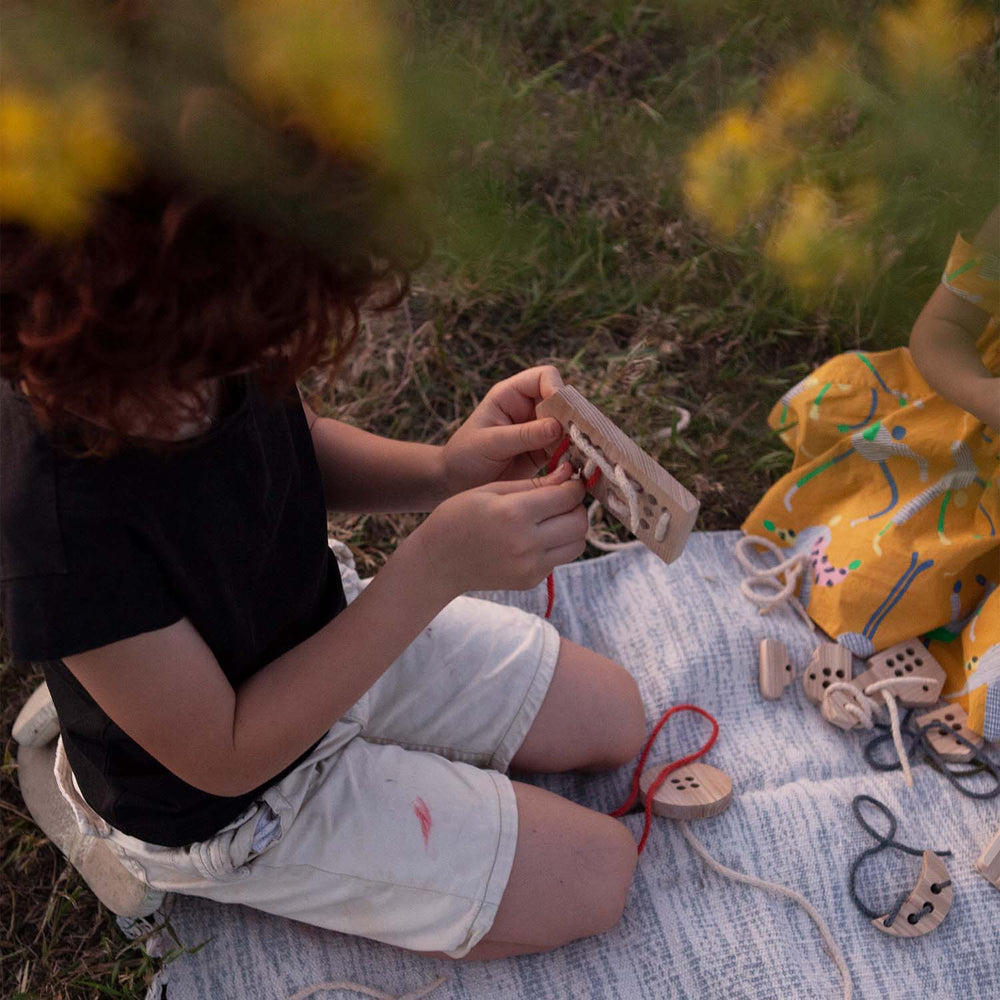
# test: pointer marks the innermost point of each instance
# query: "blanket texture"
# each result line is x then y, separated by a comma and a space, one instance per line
687, 635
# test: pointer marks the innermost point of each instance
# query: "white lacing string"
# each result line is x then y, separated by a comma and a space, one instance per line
594, 459
594, 538
782, 579
864, 707
831, 946
368, 991
628, 513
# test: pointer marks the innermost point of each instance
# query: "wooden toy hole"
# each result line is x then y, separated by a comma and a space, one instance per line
840, 673
695, 785
826, 671
675, 781
919, 662
899, 673
788, 667
949, 717
956, 726
908, 668
643, 523
909, 652
653, 500
812, 677
926, 688
826, 684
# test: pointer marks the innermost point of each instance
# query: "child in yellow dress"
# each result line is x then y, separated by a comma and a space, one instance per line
893, 493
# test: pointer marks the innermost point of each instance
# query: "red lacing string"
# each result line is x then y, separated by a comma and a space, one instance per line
550, 583
667, 770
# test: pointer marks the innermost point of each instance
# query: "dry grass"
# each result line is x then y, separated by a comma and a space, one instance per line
590, 263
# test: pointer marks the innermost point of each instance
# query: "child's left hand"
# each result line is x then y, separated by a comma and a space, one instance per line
502, 439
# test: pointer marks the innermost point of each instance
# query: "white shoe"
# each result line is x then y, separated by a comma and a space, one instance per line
116, 887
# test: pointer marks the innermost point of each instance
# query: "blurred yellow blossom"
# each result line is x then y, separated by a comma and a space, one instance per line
328, 62
733, 169
57, 151
811, 85
923, 42
814, 244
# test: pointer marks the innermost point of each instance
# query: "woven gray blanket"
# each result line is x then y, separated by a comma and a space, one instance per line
687, 635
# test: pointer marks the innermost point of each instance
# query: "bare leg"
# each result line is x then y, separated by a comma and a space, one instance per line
591, 719
570, 878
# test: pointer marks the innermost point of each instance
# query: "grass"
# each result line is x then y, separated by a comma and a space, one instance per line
560, 237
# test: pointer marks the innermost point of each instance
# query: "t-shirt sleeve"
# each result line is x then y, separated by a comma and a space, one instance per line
74, 575
109, 591
973, 275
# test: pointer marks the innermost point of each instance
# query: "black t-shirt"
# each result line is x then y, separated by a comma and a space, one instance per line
227, 530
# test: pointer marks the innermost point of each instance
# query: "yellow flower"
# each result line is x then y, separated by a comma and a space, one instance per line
923, 42
732, 170
814, 244
811, 85
328, 62
57, 152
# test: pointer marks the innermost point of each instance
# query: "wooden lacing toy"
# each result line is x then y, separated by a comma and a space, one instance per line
921, 909
621, 477
688, 789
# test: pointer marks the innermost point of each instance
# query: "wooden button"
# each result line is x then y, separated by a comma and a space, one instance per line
776, 671
926, 906
954, 718
907, 659
695, 791
830, 662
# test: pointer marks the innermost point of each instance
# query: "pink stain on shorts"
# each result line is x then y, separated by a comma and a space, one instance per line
423, 814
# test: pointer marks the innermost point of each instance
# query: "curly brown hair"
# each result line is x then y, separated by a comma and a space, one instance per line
166, 289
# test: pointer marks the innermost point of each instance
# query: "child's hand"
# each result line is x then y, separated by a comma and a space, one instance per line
502, 439
505, 536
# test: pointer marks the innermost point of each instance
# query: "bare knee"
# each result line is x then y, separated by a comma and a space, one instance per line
570, 878
626, 730
606, 898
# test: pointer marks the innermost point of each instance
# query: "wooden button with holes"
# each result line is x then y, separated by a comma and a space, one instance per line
907, 659
830, 662
695, 791
954, 718
776, 671
926, 906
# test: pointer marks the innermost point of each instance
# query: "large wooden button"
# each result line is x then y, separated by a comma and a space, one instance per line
695, 791
926, 906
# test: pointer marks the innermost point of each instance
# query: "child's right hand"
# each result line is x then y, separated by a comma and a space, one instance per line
505, 535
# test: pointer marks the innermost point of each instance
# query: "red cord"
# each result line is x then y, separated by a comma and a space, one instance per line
557, 454
550, 588
667, 770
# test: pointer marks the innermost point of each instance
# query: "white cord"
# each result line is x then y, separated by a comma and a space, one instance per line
832, 948
864, 707
783, 578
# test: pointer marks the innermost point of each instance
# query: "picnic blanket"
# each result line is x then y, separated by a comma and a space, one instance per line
687, 635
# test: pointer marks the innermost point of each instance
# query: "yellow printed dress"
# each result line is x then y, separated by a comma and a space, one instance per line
894, 497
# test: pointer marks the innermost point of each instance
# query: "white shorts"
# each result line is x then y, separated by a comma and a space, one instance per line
400, 825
